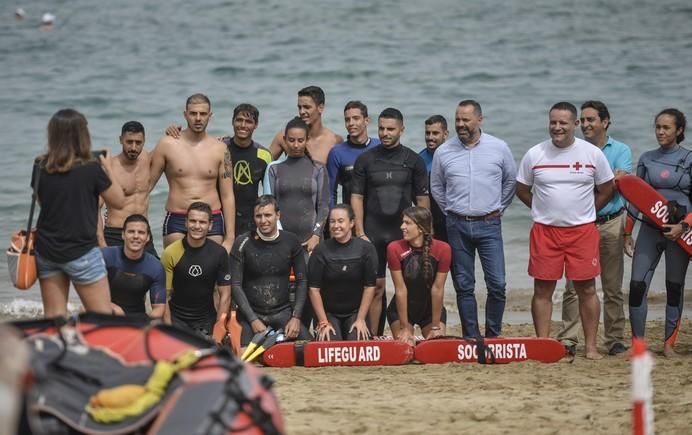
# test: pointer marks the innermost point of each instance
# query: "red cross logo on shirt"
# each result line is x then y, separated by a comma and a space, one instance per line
577, 166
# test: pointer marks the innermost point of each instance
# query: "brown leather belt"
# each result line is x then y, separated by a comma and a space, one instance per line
609, 217
490, 215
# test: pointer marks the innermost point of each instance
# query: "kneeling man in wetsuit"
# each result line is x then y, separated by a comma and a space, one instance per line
194, 267
132, 272
261, 263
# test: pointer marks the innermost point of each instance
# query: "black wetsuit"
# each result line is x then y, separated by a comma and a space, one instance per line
249, 165
670, 173
130, 280
389, 179
259, 286
341, 272
191, 275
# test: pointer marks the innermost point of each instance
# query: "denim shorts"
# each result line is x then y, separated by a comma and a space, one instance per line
84, 270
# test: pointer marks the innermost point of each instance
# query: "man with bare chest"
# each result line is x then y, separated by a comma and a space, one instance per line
320, 138
131, 168
198, 167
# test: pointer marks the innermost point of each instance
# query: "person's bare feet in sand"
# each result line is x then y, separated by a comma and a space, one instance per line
593, 354
668, 351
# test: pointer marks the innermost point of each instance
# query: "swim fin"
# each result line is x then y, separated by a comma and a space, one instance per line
256, 341
271, 340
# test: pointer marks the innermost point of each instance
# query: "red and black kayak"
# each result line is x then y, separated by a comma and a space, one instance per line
72, 360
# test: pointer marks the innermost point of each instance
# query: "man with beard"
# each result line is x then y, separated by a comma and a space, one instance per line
131, 168
473, 178
436, 134
198, 168
387, 179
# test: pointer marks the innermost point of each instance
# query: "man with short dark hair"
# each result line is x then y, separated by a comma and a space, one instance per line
472, 180
132, 272
436, 134
343, 156
386, 180
198, 167
610, 221
320, 139
564, 180
250, 160
194, 267
262, 261
131, 168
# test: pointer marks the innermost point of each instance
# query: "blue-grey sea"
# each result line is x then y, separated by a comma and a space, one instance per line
128, 59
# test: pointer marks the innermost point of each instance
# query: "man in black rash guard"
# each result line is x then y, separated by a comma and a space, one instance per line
250, 160
261, 262
132, 272
194, 266
341, 276
386, 180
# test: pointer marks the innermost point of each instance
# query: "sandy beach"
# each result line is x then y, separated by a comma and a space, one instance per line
582, 396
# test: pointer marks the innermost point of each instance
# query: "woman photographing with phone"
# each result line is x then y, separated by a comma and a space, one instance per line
419, 266
70, 181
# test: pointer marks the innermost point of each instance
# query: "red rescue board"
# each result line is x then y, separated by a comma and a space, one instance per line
504, 350
339, 353
651, 203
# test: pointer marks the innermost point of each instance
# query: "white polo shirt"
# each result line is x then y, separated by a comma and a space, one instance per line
563, 181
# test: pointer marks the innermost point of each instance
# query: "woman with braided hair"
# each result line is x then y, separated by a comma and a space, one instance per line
419, 266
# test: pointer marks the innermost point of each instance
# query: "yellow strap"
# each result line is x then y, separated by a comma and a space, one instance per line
116, 404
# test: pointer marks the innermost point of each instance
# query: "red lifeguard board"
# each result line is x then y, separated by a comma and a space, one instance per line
338, 353
498, 350
651, 203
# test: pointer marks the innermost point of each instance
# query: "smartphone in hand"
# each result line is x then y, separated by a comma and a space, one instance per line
96, 153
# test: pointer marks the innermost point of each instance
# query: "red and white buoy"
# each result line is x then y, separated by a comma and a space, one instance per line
642, 390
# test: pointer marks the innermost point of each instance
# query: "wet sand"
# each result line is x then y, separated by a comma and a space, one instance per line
582, 396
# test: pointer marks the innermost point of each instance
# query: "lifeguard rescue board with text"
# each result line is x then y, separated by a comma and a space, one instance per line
651, 203
338, 353
497, 350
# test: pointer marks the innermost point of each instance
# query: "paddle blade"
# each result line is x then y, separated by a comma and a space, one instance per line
234, 330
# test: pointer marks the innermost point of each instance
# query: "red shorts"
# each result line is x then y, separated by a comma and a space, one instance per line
573, 250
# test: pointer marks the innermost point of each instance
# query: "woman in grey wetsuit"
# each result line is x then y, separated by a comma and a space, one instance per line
667, 169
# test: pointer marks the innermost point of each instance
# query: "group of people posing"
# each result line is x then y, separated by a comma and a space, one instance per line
263, 229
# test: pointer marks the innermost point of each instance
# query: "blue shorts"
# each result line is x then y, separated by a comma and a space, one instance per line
174, 222
84, 270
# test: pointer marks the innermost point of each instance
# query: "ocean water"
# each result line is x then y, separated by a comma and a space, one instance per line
117, 61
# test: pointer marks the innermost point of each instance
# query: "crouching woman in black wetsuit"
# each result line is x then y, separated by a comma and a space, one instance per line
261, 262
419, 266
341, 276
